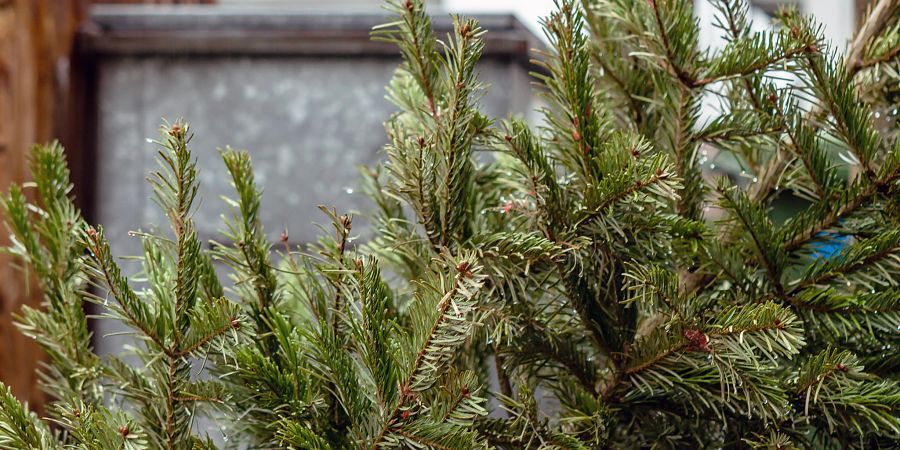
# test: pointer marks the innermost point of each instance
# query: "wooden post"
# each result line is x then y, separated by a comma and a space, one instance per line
36, 41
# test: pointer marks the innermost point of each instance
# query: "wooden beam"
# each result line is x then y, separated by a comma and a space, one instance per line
36, 39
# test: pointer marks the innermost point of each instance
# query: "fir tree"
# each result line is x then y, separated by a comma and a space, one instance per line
657, 307
588, 276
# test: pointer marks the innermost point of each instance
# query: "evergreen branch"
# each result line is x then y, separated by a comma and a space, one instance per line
460, 124
683, 147
539, 344
586, 305
851, 120
300, 435
541, 173
446, 332
346, 402
414, 170
887, 56
736, 22
170, 404
175, 187
573, 115
210, 322
773, 440
656, 359
342, 226
637, 186
752, 324
581, 249
513, 246
617, 63
803, 142
460, 400
831, 83
877, 18
136, 312
753, 219
122, 375
870, 316
203, 391
503, 379
251, 259
833, 381
94, 428
654, 281
424, 441
609, 73
375, 330
19, 427
769, 176
674, 66
854, 258
413, 36
433, 166
847, 206
737, 127
429, 356
829, 301
749, 55
502, 433
52, 247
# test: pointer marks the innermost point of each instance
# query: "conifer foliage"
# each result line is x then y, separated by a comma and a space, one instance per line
582, 284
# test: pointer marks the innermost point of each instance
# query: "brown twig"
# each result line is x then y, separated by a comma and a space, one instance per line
878, 17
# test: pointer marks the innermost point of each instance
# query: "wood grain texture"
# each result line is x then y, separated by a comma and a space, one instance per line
36, 41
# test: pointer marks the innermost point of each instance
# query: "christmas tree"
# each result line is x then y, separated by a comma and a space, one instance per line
587, 283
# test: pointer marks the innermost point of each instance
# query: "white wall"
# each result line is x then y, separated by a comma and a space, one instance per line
838, 16
528, 11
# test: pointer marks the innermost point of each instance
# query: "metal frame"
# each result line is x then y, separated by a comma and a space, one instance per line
220, 30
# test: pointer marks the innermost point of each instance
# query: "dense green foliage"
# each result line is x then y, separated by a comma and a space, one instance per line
585, 284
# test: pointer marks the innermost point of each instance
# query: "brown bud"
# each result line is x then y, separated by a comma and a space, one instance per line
345, 222
421, 141
465, 392
465, 30
813, 48
634, 152
241, 244
638, 183
235, 324
576, 136
697, 341
92, 233
123, 430
409, 5
176, 130
778, 324
284, 236
462, 267
841, 367
508, 138
76, 412
359, 264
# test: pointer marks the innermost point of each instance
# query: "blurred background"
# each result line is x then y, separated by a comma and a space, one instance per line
296, 82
